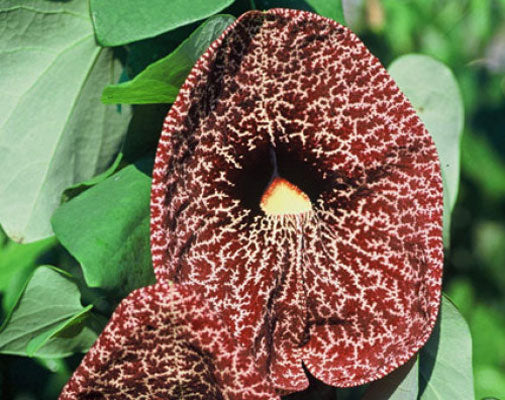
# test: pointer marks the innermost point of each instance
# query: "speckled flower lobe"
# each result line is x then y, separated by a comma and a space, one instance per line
350, 288
163, 342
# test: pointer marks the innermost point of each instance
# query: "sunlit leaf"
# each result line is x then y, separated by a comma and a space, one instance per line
106, 229
54, 130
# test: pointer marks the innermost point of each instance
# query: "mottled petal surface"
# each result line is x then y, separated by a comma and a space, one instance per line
163, 342
351, 287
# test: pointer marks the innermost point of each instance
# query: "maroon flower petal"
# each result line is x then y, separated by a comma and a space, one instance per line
350, 287
163, 342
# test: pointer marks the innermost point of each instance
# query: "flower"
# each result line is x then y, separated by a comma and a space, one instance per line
348, 284
163, 342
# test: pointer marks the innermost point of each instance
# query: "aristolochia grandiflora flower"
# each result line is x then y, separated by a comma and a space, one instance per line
163, 342
297, 190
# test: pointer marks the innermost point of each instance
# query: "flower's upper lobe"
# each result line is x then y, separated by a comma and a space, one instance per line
350, 288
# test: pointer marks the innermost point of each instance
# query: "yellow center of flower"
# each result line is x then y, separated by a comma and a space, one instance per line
282, 197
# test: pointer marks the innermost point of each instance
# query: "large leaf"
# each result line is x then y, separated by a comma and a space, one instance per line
54, 130
434, 93
445, 361
327, 8
106, 229
17, 262
119, 22
39, 324
160, 81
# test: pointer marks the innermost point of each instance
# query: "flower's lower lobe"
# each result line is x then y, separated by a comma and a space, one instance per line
163, 342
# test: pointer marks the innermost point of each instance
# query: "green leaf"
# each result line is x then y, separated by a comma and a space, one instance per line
445, 361
80, 187
434, 93
49, 303
401, 384
327, 8
143, 53
119, 22
17, 262
106, 229
487, 325
160, 81
39, 341
54, 130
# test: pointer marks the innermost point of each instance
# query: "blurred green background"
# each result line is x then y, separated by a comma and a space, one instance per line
469, 37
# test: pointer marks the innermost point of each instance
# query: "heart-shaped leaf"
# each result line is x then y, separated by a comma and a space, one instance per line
54, 130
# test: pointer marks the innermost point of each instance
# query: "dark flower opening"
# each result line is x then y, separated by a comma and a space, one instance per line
302, 171
260, 168
350, 289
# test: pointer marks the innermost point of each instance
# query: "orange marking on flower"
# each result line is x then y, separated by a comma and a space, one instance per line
282, 197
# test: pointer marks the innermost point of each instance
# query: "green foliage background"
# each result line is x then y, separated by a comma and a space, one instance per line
83, 212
